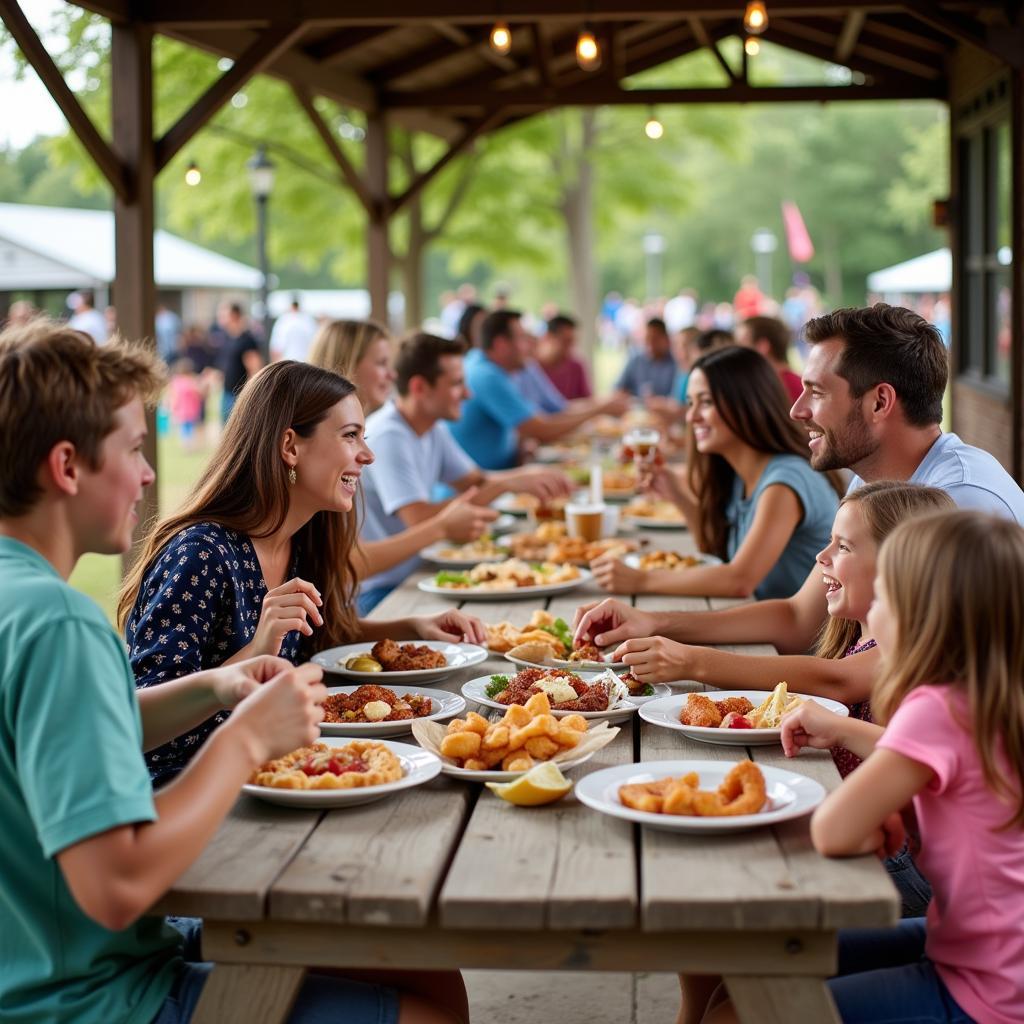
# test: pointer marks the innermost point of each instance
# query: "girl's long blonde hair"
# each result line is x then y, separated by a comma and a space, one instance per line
340, 346
955, 586
884, 505
245, 488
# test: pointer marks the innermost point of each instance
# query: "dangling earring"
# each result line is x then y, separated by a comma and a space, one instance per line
291, 475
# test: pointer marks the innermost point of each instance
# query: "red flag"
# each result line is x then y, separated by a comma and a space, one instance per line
801, 248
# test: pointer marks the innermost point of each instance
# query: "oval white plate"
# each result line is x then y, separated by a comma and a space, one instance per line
633, 561
475, 594
418, 766
445, 705
476, 691
507, 504
459, 656
665, 713
433, 554
505, 523
572, 666
468, 775
789, 795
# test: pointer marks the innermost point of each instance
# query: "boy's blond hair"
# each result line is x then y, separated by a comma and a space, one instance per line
57, 384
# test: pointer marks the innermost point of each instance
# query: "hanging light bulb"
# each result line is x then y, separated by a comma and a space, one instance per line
752, 46
588, 53
501, 38
653, 129
193, 175
755, 18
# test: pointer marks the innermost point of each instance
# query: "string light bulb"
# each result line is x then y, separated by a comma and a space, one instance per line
193, 175
752, 46
755, 18
588, 53
653, 128
501, 38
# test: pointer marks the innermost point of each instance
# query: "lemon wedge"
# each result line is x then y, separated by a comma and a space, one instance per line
542, 784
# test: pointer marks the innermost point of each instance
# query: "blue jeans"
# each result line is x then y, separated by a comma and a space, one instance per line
323, 998
915, 890
885, 978
227, 403
369, 598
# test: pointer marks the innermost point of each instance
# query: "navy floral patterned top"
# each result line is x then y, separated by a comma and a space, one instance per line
199, 604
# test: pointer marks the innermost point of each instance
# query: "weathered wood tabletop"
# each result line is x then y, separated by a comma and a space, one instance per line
446, 876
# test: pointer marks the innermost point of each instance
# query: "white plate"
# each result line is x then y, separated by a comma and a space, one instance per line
665, 713
418, 766
505, 523
445, 705
433, 554
572, 666
475, 594
499, 776
507, 504
459, 656
789, 795
652, 524
633, 561
476, 691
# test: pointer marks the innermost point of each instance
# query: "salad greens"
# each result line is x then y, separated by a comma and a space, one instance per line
560, 630
496, 685
444, 577
647, 691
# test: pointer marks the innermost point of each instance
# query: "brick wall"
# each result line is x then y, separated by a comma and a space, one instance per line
983, 419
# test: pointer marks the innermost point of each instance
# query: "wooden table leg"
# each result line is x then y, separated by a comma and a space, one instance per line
254, 994
782, 1000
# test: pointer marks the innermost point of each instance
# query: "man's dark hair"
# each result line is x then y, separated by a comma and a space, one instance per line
715, 338
774, 331
235, 309
658, 324
420, 355
891, 345
464, 332
560, 322
497, 325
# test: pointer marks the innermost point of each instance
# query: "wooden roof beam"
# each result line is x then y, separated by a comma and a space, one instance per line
81, 124
1007, 44
436, 52
261, 53
602, 94
541, 54
709, 44
331, 49
352, 177
848, 36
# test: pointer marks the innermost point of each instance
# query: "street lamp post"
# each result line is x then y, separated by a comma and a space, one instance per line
764, 243
654, 249
261, 180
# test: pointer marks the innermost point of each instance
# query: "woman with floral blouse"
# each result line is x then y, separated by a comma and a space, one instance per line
258, 559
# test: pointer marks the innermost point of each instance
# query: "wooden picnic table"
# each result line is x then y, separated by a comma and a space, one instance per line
447, 876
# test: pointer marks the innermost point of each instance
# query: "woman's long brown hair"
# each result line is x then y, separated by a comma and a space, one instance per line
750, 398
955, 587
884, 505
245, 488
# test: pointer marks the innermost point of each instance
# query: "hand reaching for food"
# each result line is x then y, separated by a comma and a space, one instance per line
451, 625
610, 622
463, 521
612, 574
811, 725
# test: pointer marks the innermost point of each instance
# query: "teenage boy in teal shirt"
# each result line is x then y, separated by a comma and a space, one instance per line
88, 847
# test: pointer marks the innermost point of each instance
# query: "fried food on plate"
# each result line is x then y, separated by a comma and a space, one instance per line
503, 636
667, 560
738, 712
742, 791
565, 690
700, 710
359, 763
406, 657
371, 703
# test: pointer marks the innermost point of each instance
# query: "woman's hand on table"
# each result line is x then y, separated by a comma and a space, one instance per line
292, 606
654, 659
232, 683
612, 574
463, 521
610, 622
811, 725
281, 714
451, 625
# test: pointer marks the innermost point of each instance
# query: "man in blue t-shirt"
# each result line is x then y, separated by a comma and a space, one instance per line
495, 416
88, 847
871, 403
652, 372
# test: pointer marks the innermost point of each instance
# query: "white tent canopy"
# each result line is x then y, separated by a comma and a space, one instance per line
927, 274
51, 247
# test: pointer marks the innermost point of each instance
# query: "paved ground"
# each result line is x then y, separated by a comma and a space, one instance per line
514, 997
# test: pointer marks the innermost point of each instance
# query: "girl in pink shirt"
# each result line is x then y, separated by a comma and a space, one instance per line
947, 616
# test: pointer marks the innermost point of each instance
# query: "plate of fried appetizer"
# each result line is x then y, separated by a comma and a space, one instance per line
700, 797
546, 641
337, 772
391, 661
460, 556
478, 750
592, 695
550, 542
529, 504
653, 514
741, 718
501, 580
669, 560
377, 711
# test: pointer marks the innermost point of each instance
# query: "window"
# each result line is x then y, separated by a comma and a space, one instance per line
984, 158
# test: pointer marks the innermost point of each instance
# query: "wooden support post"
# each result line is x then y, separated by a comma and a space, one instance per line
131, 60
378, 253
